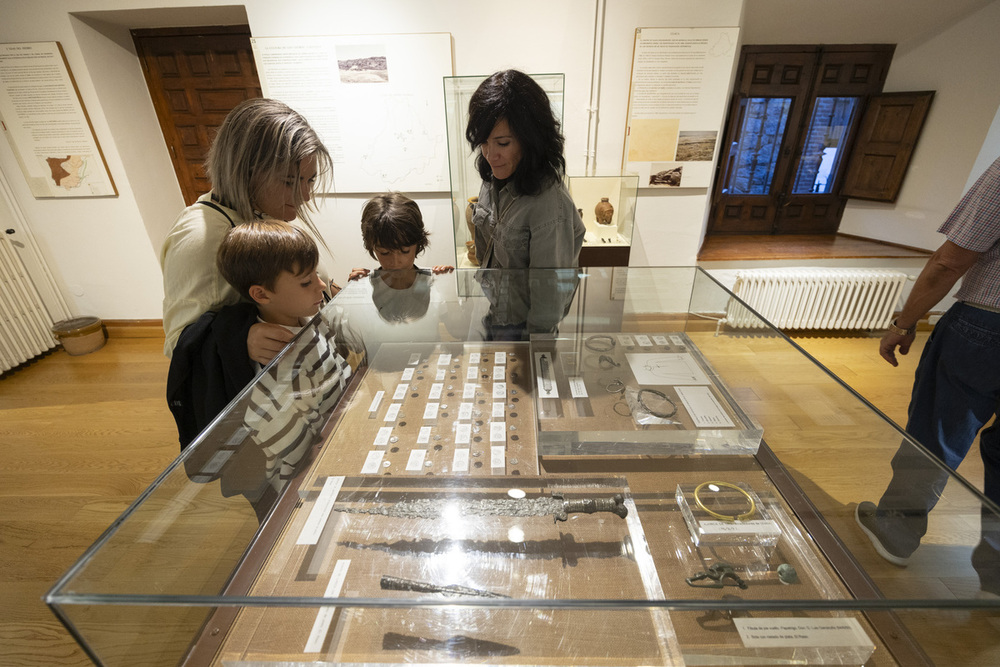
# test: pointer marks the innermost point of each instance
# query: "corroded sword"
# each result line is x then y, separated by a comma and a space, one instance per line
555, 506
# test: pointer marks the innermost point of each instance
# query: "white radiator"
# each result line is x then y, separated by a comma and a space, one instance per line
25, 324
805, 298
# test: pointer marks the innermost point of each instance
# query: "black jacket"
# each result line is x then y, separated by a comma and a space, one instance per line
209, 367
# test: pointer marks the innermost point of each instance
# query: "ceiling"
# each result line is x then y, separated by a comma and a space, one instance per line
901, 22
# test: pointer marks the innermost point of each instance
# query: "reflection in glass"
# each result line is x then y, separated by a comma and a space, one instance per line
821, 154
753, 156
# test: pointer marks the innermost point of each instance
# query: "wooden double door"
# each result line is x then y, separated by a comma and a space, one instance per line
808, 128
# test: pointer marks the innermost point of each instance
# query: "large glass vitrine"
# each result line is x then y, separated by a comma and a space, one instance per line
534, 468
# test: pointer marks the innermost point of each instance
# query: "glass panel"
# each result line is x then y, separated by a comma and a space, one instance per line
465, 179
753, 156
821, 154
486, 488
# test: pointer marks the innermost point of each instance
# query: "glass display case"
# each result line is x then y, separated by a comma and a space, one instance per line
474, 486
607, 204
465, 179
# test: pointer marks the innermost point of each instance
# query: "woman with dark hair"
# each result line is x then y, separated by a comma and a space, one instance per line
525, 217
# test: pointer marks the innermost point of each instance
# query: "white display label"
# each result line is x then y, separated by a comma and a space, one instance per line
704, 409
677, 340
499, 373
499, 410
382, 439
660, 340
321, 510
424, 436
373, 462
376, 401
501, 359
498, 432
408, 374
643, 340
439, 375
465, 411
474, 357
625, 340
463, 433
435, 392
218, 459
431, 411
393, 412
756, 527
414, 359
400, 392
801, 632
324, 616
577, 387
444, 359
499, 390
469, 390
472, 373
416, 461
498, 457
460, 461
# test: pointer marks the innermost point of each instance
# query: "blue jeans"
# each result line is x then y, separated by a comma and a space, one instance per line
956, 391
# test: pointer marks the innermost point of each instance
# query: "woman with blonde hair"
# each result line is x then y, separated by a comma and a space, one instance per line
266, 161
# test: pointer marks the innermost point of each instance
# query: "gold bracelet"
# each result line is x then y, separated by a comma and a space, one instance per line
900, 331
726, 517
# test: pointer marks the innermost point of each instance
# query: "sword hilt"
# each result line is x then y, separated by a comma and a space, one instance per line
615, 504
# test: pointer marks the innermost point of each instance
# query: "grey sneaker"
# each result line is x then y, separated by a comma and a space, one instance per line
864, 514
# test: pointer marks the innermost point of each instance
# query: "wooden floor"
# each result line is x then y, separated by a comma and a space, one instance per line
799, 246
82, 436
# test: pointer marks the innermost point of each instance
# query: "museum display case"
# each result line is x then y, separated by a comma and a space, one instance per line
607, 204
465, 178
586, 467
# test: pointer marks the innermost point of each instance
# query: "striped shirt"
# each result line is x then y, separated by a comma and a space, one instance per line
975, 225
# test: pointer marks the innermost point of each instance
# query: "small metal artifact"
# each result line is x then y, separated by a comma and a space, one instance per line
787, 574
717, 573
390, 583
556, 506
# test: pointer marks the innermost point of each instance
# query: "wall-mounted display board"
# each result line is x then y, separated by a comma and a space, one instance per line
47, 126
677, 98
375, 101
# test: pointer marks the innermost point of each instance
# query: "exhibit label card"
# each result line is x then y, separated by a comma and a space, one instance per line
416, 461
703, 407
373, 462
801, 632
321, 509
375, 401
460, 460
325, 614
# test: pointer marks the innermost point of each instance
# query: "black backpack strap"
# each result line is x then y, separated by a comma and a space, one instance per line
217, 208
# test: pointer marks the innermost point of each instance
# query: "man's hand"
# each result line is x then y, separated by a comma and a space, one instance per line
265, 340
890, 341
442, 268
358, 273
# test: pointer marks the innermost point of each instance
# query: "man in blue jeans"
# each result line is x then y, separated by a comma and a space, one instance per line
956, 389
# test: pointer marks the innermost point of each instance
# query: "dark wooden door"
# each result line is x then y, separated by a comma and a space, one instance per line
195, 77
793, 119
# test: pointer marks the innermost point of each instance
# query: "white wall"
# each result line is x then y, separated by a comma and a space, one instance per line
959, 63
103, 252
